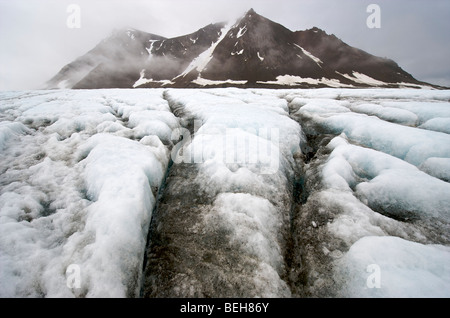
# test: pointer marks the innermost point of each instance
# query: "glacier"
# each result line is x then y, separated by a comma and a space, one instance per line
225, 192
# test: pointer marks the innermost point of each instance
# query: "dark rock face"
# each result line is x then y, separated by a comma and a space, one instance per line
257, 49
337, 56
254, 52
169, 58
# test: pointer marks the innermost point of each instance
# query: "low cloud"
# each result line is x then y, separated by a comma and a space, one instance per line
37, 43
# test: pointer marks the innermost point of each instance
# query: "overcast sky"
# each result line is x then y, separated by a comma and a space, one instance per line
36, 41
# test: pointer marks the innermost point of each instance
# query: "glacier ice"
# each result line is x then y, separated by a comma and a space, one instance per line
403, 269
404, 142
243, 172
384, 182
77, 190
225, 192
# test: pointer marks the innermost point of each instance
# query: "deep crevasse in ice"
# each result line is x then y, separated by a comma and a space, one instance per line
242, 149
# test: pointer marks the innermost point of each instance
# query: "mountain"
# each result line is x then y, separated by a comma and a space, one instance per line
112, 63
252, 52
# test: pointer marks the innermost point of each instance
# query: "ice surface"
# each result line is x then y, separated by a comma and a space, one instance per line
401, 98
243, 147
391, 114
393, 267
437, 124
407, 143
320, 185
71, 195
381, 184
425, 110
386, 183
119, 175
10, 130
255, 224
437, 167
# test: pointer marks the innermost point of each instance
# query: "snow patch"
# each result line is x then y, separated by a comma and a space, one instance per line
204, 82
131, 34
142, 80
238, 52
200, 62
292, 80
311, 56
363, 79
150, 49
241, 31
260, 57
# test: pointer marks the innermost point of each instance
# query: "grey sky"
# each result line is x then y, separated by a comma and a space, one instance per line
36, 42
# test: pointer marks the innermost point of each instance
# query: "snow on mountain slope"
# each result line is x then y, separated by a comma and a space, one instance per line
200, 62
224, 193
175, 57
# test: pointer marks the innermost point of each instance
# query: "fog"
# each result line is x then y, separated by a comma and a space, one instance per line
36, 40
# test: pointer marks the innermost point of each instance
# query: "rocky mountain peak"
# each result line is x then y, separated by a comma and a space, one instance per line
253, 52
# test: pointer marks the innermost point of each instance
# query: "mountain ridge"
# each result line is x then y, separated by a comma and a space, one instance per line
252, 52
